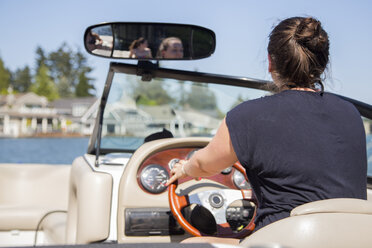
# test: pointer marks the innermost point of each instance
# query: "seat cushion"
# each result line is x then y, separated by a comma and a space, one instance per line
339, 205
54, 227
17, 217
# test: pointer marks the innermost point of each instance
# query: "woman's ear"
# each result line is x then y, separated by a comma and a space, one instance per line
270, 64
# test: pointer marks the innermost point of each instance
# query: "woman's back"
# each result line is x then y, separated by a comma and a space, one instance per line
298, 147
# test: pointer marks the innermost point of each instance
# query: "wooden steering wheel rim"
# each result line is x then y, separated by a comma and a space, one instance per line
176, 203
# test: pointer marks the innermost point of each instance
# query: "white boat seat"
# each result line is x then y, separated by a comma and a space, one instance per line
340, 205
369, 194
27, 193
327, 223
54, 228
89, 207
16, 217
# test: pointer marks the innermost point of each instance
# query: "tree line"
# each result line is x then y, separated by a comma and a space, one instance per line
196, 96
62, 73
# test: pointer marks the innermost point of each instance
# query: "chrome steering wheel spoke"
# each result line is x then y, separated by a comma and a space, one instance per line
216, 201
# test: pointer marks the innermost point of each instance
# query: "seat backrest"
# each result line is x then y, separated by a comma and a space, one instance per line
34, 185
369, 194
327, 223
89, 207
29, 191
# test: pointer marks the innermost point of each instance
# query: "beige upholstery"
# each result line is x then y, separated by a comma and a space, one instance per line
16, 217
29, 191
54, 227
369, 194
89, 204
340, 205
328, 223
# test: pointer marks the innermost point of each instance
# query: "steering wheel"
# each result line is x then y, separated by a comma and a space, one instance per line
216, 201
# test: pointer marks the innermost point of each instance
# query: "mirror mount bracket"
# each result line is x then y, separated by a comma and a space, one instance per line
146, 69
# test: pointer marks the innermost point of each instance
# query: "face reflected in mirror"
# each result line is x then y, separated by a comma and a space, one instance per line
99, 40
171, 48
93, 40
139, 49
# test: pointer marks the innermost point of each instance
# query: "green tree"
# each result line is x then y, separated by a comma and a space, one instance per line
150, 93
60, 64
83, 88
5, 76
69, 70
201, 98
40, 57
64, 87
44, 86
22, 79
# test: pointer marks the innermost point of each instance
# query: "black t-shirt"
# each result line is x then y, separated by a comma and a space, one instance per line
299, 147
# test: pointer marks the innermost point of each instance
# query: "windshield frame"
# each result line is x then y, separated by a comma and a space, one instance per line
149, 70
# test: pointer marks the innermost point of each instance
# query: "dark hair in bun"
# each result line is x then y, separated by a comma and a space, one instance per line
299, 50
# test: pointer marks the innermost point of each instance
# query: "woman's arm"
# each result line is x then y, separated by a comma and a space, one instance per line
212, 159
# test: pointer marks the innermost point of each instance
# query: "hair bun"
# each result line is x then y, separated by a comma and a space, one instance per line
310, 34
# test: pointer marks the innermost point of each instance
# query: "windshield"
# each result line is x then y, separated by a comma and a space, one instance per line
136, 109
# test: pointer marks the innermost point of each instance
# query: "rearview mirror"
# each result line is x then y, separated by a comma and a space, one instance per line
149, 41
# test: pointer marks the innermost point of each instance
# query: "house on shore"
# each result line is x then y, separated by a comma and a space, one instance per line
28, 114
77, 115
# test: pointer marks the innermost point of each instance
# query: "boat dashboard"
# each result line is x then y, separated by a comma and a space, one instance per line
143, 205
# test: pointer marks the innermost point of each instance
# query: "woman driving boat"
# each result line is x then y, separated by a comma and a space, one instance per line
297, 146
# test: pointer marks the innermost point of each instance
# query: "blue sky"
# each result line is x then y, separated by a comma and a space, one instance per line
241, 27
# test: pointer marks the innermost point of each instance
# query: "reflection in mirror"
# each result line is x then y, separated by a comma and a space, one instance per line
139, 49
99, 40
154, 41
170, 48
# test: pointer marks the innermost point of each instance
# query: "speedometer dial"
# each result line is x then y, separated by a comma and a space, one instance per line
239, 180
153, 178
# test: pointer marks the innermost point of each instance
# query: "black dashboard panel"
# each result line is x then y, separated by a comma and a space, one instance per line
151, 222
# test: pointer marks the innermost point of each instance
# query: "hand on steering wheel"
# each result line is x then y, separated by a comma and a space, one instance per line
216, 201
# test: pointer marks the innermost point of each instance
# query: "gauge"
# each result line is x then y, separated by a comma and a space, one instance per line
227, 170
240, 181
153, 178
172, 163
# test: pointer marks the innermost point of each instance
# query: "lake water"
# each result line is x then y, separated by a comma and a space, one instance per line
65, 150
42, 150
